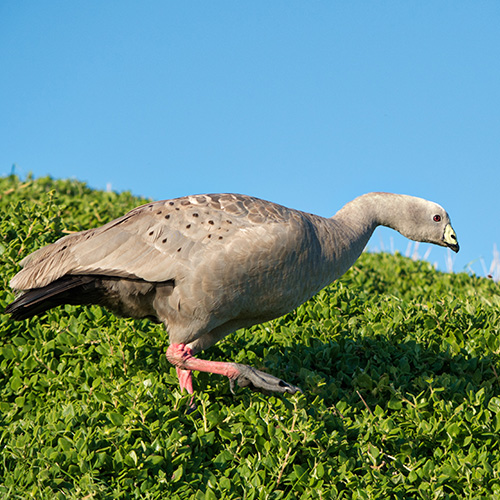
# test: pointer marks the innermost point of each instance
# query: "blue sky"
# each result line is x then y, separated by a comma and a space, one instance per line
308, 104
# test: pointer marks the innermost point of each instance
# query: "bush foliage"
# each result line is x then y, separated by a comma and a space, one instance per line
399, 365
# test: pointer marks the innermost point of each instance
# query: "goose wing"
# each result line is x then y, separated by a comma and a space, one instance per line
161, 240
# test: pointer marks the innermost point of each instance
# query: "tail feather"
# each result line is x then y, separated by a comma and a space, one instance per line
66, 290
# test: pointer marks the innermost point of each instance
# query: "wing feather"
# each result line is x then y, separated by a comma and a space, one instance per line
156, 242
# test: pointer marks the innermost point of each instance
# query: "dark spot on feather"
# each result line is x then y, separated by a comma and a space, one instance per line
229, 221
171, 203
195, 215
159, 212
64, 247
220, 237
188, 226
209, 235
167, 216
179, 249
211, 222
177, 208
164, 240
151, 233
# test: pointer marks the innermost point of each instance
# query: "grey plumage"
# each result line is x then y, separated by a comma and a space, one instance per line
207, 265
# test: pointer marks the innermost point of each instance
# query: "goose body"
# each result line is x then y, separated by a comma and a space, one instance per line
207, 265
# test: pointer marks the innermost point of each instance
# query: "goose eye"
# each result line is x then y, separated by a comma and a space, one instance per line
437, 218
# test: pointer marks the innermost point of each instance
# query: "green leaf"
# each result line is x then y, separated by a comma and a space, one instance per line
394, 404
494, 404
116, 418
16, 383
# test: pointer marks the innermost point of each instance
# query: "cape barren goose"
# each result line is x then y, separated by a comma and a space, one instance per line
207, 265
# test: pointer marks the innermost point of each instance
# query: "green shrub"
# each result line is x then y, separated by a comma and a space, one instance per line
399, 365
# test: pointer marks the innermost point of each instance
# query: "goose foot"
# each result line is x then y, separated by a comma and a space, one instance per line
246, 376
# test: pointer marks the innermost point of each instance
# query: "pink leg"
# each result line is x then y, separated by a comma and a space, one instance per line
181, 356
185, 379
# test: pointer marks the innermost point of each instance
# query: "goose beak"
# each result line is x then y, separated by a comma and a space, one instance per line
450, 238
